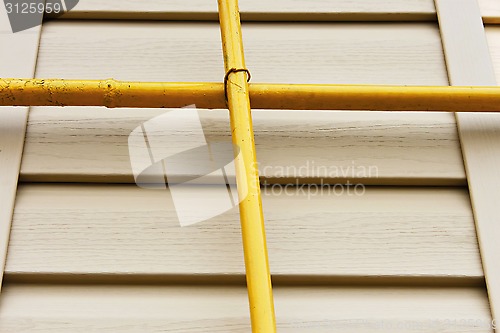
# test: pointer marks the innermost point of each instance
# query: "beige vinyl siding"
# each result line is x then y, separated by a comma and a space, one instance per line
90, 144
102, 254
122, 229
493, 37
367, 53
318, 6
490, 10
63, 308
18, 59
275, 10
469, 63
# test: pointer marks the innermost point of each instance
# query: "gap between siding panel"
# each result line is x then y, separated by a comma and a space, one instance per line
253, 17
239, 279
123, 179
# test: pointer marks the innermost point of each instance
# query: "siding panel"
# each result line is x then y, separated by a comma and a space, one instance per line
122, 229
56, 309
89, 144
275, 10
18, 59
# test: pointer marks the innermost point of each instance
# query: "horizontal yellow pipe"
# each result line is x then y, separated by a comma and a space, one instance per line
112, 93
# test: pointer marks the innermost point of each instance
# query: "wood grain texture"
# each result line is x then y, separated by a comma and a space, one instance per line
481, 143
259, 10
308, 10
411, 149
399, 54
490, 11
91, 144
493, 38
52, 308
469, 63
18, 61
123, 229
466, 50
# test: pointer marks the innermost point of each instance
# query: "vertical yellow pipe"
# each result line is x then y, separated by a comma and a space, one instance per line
259, 286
